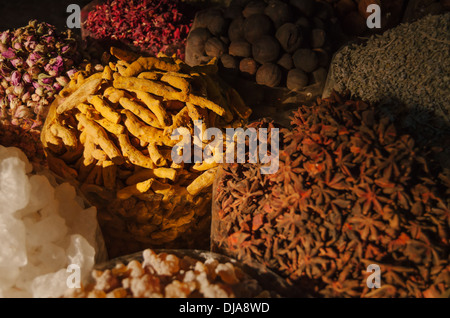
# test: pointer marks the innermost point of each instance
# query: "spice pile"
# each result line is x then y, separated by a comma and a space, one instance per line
149, 25
166, 275
275, 43
112, 132
36, 62
44, 227
350, 191
408, 64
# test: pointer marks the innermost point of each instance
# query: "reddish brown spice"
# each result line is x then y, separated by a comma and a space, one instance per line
151, 26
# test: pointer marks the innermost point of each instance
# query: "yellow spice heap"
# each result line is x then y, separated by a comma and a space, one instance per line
111, 132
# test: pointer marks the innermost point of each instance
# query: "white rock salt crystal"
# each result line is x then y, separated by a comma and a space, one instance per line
52, 257
28, 273
50, 285
14, 185
84, 222
64, 192
6, 152
50, 229
81, 253
8, 276
12, 250
51, 208
41, 193
36, 245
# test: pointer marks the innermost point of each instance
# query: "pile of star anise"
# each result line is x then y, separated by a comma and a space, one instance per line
351, 190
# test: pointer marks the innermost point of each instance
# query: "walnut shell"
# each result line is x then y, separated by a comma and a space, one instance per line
318, 38
218, 26
232, 12
305, 59
286, 61
305, 6
296, 79
248, 67
290, 37
240, 48
214, 47
204, 18
254, 7
266, 49
236, 29
256, 26
269, 74
229, 62
279, 12
195, 46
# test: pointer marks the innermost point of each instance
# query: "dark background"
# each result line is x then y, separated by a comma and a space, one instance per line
17, 13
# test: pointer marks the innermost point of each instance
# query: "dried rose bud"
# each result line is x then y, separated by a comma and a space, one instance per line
17, 46
26, 97
17, 62
15, 102
57, 86
4, 37
19, 89
62, 80
40, 91
9, 54
71, 72
22, 112
16, 78
33, 59
26, 78
35, 97
34, 71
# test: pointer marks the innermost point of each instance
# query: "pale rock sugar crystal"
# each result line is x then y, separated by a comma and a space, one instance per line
43, 229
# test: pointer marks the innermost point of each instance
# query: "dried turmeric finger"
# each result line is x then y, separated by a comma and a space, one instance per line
67, 136
143, 113
103, 108
80, 95
113, 94
155, 155
144, 132
135, 189
101, 138
124, 55
107, 73
89, 147
198, 113
205, 103
203, 181
155, 106
109, 174
80, 78
150, 75
161, 173
134, 156
181, 119
89, 111
99, 155
72, 155
95, 176
237, 104
214, 93
115, 129
177, 82
140, 84
148, 64
203, 166
59, 167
